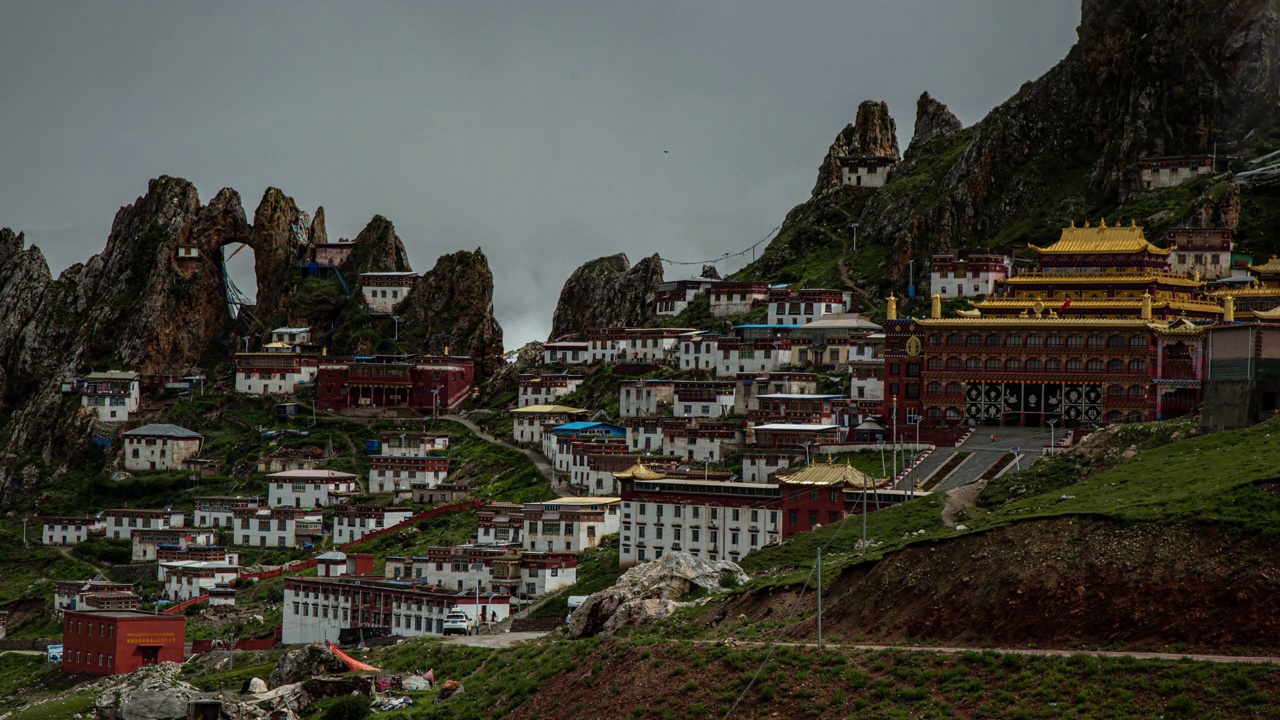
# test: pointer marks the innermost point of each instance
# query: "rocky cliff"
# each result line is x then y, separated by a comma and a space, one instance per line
153, 301
933, 119
873, 133
607, 291
451, 308
1146, 77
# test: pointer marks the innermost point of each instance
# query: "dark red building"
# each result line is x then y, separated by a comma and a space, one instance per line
111, 642
440, 384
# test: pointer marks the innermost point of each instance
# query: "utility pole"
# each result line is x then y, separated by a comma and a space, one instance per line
1052, 422
864, 515
855, 239
819, 597
24, 532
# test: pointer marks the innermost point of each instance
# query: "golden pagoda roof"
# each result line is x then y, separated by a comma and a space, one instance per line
639, 471
1098, 303
1270, 266
1163, 278
828, 473
1100, 239
1272, 314
1238, 292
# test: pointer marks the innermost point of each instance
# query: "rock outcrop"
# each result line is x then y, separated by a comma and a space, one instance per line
606, 292
376, 249
649, 592
451, 307
152, 693
933, 119
873, 133
304, 663
319, 235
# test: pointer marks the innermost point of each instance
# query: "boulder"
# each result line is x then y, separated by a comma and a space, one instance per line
303, 664
649, 592
151, 693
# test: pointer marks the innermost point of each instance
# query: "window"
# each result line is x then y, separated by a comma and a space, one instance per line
1137, 392
1137, 366
955, 339
1095, 341
1094, 365
954, 363
953, 389
1075, 365
1115, 341
994, 364
1054, 341
1075, 341
1137, 342
1035, 341
1115, 391
993, 340
1013, 341
1013, 364
934, 388
975, 340
1033, 365
1053, 365
1115, 366
974, 363
935, 363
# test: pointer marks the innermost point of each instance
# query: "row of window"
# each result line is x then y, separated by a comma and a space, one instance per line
103, 629
954, 389
1115, 365
1033, 340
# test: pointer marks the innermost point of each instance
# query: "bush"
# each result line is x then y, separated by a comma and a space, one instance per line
350, 707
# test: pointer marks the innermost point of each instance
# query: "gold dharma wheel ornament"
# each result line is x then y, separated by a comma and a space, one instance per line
913, 346
1038, 307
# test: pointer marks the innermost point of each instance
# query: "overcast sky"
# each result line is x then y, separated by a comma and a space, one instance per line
546, 133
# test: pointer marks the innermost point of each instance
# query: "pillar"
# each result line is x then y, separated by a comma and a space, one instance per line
891, 308
935, 306
1146, 305
1229, 309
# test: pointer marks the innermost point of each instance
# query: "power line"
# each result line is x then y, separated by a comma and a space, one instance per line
740, 253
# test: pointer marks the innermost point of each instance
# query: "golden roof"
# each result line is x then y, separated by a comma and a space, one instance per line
829, 473
1039, 278
1260, 291
1270, 266
640, 471
1101, 239
1272, 314
548, 409
1102, 303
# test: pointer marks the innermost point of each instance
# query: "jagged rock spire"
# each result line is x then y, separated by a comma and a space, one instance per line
874, 133
933, 119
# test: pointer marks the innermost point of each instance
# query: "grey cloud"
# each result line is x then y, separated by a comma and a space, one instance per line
535, 130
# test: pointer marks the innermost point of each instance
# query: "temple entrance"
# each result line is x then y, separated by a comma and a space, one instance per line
150, 655
1021, 404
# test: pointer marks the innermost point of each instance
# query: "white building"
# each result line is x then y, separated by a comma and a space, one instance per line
121, 523
189, 579
604, 344
350, 523
318, 609
673, 297
759, 464
1203, 251
500, 569
70, 530
546, 389
218, 511
703, 399
653, 346
752, 356
160, 446
644, 398
530, 420
736, 298
110, 396
866, 171
411, 443
1155, 173
384, 290
800, 307
713, 520
274, 373
697, 351
277, 527
565, 353
569, 524
293, 337
954, 277
399, 473
148, 545
309, 488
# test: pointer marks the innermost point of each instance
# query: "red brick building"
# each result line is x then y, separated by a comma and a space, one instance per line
430, 383
111, 642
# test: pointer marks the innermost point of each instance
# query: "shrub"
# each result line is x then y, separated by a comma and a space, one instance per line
350, 707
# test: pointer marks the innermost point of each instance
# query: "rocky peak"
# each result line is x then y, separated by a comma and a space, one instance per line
873, 133
710, 273
932, 120
376, 249
608, 292
319, 235
279, 240
451, 307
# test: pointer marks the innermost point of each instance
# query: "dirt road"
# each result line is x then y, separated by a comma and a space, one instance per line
500, 640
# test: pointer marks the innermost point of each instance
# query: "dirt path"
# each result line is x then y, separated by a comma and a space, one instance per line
67, 554
499, 640
540, 462
1172, 657
958, 499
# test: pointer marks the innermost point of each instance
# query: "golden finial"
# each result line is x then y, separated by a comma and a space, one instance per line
1073, 224
1133, 223
1102, 223
1086, 222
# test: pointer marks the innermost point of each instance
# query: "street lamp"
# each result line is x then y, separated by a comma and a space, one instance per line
435, 402
1052, 422
706, 465
396, 318
24, 532
911, 488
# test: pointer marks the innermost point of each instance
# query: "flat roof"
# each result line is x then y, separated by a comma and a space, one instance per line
112, 375
163, 430
548, 409
129, 615
398, 273
313, 474
791, 426
579, 501
292, 329
800, 396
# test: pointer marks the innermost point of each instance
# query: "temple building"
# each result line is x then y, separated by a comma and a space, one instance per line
1102, 331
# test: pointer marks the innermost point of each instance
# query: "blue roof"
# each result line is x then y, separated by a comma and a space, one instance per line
576, 426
